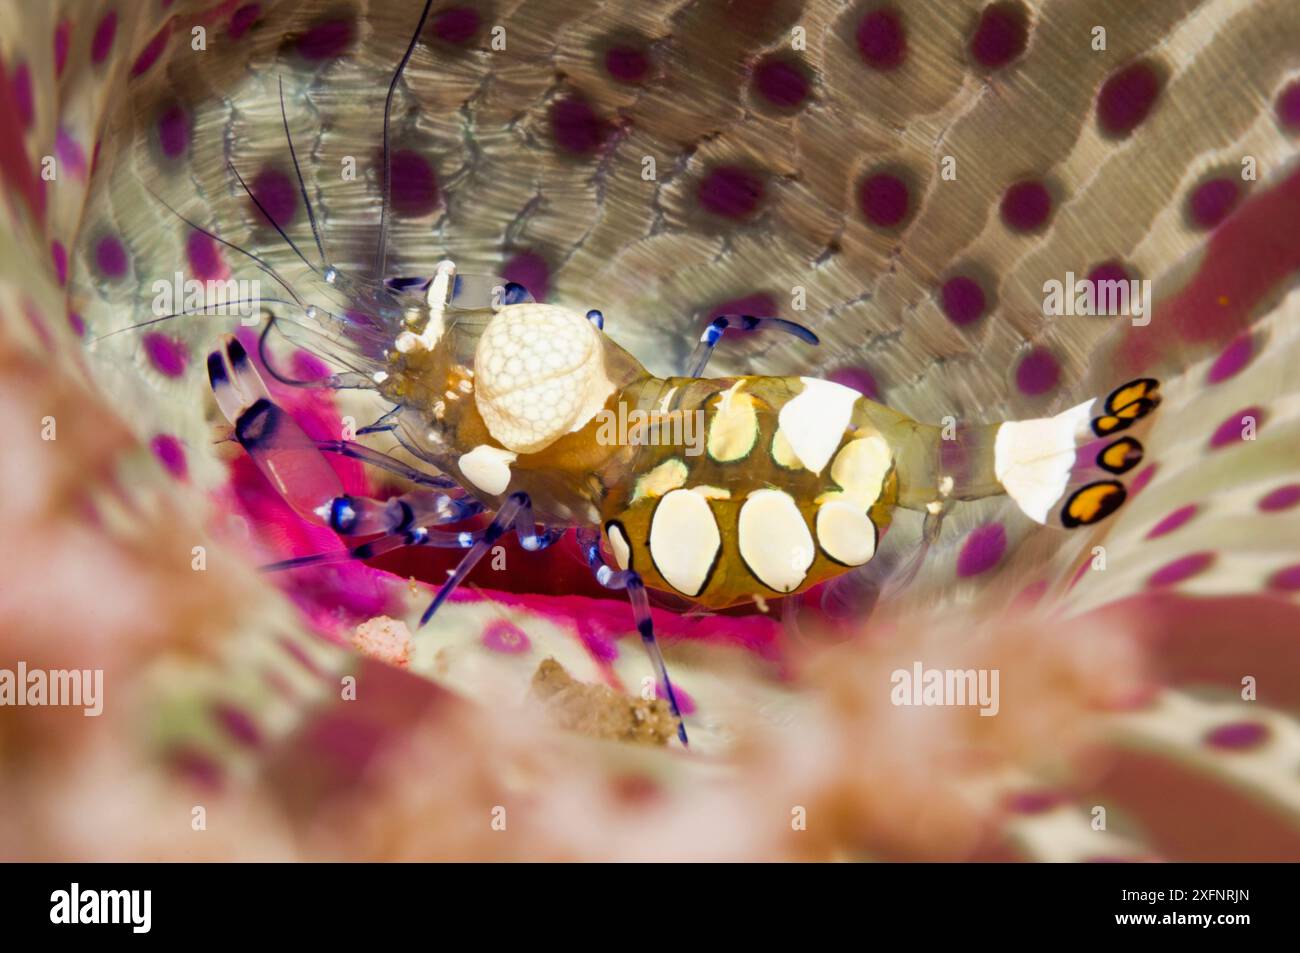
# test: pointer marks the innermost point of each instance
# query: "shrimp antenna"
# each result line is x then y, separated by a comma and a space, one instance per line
382, 252
352, 381
188, 311
261, 262
274, 223
302, 186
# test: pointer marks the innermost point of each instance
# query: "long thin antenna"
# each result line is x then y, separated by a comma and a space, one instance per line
188, 311
302, 186
243, 251
274, 224
382, 253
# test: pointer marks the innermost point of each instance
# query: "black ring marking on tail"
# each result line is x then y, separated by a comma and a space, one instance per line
1126, 405
1121, 456
1128, 394
1093, 503
1127, 416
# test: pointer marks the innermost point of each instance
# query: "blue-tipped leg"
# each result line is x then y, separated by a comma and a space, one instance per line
517, 514
739, 322
630, 581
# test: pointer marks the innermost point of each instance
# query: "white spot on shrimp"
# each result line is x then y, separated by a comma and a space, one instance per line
488, 468
619, 544
684, 540
814, 420
668, 476
860, 468
845, 533
774, 539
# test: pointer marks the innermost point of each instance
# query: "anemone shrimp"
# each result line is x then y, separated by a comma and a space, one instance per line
506, 399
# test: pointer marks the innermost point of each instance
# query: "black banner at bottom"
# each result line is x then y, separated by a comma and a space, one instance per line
131, 902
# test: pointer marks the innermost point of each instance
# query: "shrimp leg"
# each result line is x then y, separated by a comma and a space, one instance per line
742, 322
517, 514
296, 467
630, 581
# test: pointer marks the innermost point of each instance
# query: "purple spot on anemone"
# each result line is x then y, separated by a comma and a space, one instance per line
1032, 594
1233, 430
1034, 802
884, 199
110, 257
237, 724
415, 186
1126, 98
456, 25
1283, 498
859, 379
1286, 579
530, 270
77, 323
962, 300
170, 454
1234, 357
71, 156
1288, 107
982, 550
730, 191
62, 42
781, 83
37, 322
308, 367
1173, 521
627, 64
635, 788
1139, 482
685, 703
576, 127
1180, 570
1237, 736
167, 355
278, 196
195, 767
173, 131
102, 42
1037, 373
153, 49
242, 20
59, 255
204, 258
22, 88
506, 637
1107, 271
1026, 206
326, 40
1001, 35
597, 642
881, 39
760, 305
299, 655
1211, 202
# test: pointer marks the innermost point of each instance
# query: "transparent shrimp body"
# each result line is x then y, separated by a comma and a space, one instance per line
508, 395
